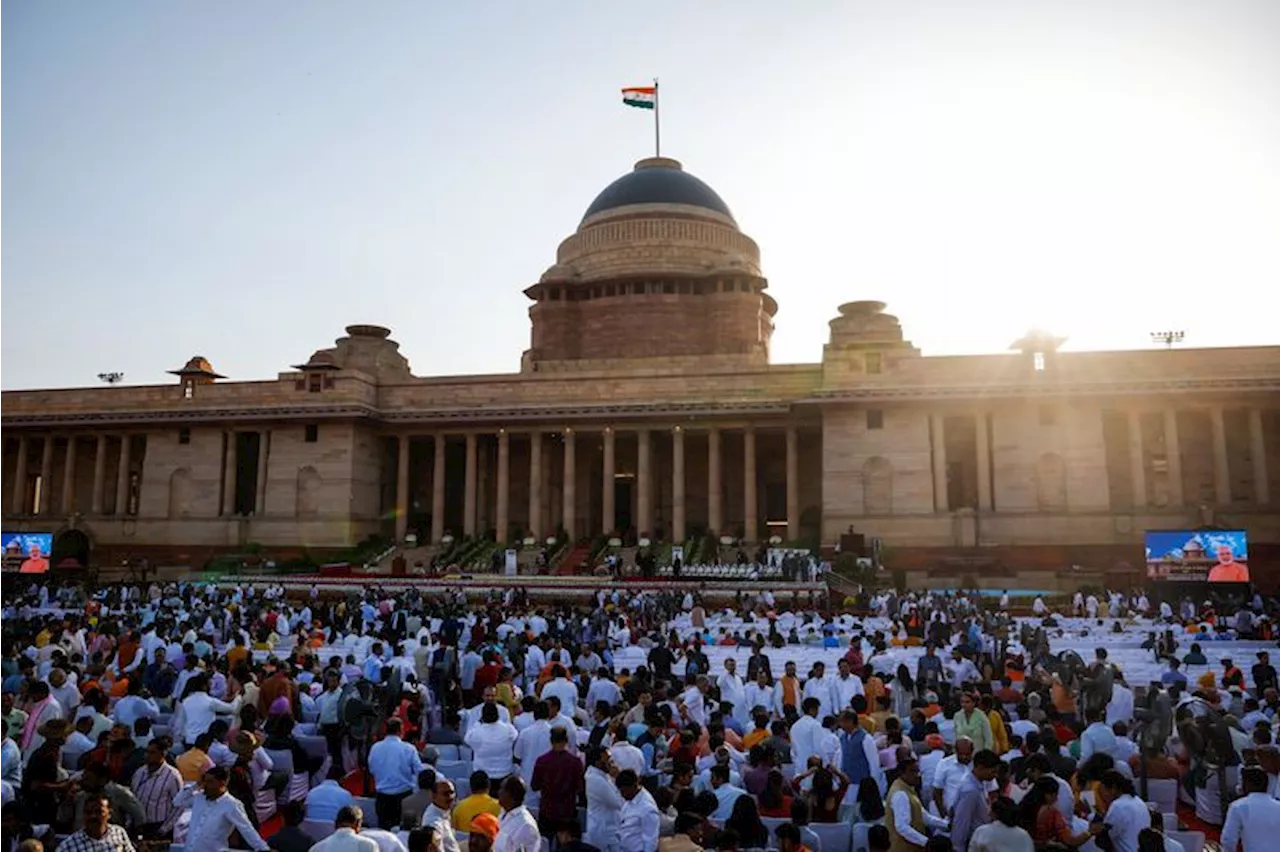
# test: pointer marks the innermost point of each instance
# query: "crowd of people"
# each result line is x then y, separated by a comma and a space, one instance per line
207, 716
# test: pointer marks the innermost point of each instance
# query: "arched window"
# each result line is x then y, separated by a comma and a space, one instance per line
877, 486
181, 493
309, 486
1051, 482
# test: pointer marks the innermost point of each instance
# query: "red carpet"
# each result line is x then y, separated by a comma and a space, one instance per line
1187, 816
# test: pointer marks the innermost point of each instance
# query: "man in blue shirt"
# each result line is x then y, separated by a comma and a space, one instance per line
1173, 675
394, 765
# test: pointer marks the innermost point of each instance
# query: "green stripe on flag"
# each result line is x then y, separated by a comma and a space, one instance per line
638, 103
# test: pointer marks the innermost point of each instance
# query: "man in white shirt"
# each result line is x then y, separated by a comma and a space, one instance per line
627, 756
492, 741
603, 688
845, 686
1127, 815
1253, 822
733, 690
819, 686
215, 813
346, 836
899, 804
805, 732
558, 717
692, 705
1120, 707
562, 688
638, 821
199, 709
517, 829
950, 774
761, 693
1098, 737
437, 814
471, 716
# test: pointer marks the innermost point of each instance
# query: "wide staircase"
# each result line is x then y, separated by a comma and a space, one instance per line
573, 558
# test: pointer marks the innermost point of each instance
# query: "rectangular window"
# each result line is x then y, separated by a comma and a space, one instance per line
184, 436
874, 364
312, 433
1037, 361
875, 418
315, 382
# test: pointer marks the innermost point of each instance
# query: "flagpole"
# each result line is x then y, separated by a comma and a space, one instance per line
657, 126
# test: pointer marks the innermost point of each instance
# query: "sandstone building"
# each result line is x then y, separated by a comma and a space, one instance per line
646, 401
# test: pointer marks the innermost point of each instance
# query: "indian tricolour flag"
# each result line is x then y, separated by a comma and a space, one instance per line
645, 97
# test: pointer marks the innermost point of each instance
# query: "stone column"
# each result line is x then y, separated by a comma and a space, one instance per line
608, 495
18, 502
1258, 451
983, 442
264, 453
1137, 467
793, 484
569, 493
122, 475
437, 489
937, 434
46, 475
99, 475
1173, 456
535, 484
482, 489
677, 486
749, 509
715, 504
69, 477
503, 497
1221, 463
469, 488
644, 483
402, 488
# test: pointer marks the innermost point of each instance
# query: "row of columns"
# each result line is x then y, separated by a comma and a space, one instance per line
67, 505
1173, 455
644, 483
1221, 457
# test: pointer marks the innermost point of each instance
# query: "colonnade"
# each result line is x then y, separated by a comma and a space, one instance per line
538, 508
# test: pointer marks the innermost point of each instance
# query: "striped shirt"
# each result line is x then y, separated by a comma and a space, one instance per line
115, 840
155, 791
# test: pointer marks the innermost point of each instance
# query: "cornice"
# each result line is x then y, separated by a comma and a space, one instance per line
1040, 389
701, 408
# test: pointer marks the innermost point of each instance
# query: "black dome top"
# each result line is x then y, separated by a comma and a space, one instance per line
658, 180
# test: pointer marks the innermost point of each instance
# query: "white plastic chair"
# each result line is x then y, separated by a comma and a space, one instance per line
370, 808
317, 829
1163, 793
835, 836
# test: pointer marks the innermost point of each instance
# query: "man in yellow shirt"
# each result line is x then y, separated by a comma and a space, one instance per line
479, 802
193, 762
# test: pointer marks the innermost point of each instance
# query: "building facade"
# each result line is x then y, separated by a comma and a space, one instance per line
647, 402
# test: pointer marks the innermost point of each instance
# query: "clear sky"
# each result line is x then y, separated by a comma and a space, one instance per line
241, 180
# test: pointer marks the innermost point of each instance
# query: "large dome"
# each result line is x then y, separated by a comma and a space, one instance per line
658, 180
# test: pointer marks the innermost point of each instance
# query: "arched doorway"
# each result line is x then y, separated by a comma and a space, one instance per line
71, 544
